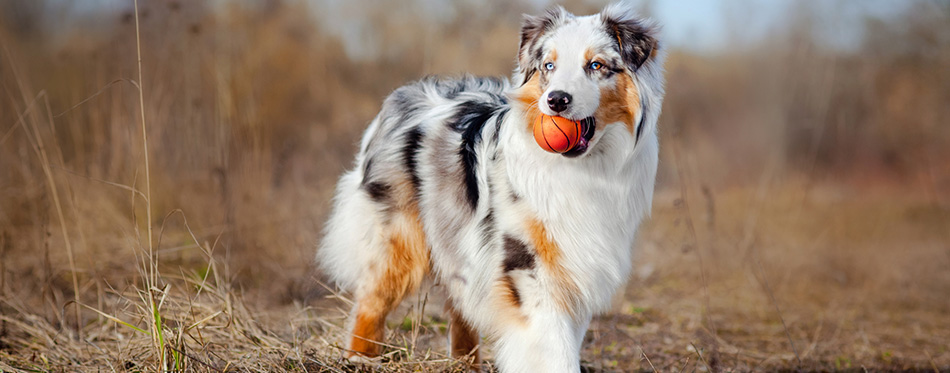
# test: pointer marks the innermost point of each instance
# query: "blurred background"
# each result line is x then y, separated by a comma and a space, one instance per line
803, 209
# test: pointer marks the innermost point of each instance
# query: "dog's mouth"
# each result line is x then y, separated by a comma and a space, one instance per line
587, 129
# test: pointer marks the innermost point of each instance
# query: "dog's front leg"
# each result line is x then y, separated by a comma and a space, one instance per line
549, 341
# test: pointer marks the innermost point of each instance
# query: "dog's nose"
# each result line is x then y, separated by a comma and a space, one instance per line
558, 100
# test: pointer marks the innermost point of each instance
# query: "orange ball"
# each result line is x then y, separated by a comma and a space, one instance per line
556, 134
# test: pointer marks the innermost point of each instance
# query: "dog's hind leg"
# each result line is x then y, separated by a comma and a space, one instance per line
374, 246
463, 339
400, 272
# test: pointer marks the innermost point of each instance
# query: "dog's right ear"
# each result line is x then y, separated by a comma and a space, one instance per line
533, 30
635, 37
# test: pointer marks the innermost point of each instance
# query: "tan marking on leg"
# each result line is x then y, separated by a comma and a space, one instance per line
463, 337
566, 292
409, 255
367, 332
402, 274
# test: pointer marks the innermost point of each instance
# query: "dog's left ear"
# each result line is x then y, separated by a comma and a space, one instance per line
533, 29
635, 37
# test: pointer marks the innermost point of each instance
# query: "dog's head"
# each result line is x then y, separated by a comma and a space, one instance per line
584, 68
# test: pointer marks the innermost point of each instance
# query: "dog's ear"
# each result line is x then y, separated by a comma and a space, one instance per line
635, 38
533, 29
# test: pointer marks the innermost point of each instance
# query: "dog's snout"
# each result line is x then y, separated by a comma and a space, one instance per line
558, 100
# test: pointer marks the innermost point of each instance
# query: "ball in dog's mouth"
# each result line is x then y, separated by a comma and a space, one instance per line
587, 129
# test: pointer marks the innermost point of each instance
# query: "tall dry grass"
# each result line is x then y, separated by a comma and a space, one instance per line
802, 208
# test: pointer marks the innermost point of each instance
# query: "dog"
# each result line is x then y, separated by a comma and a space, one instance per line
449, 184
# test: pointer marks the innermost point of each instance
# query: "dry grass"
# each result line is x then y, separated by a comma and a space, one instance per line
816, 240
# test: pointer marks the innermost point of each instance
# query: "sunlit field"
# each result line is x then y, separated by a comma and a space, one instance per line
165, 175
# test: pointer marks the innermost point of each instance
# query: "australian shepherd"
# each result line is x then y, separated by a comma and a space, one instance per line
450, 183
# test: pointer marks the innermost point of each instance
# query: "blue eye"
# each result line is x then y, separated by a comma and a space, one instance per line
595, 65
549, 66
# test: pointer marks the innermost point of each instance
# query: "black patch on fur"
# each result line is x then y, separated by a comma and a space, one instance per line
469, 120
471, 117
633, 40
643, 114
379, 192
517, 255
409, 152
487, 227
498, 121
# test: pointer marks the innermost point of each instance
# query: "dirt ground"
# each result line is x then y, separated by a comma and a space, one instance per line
721, 284
724, 281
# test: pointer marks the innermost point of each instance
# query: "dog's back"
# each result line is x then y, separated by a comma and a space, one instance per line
376, 219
